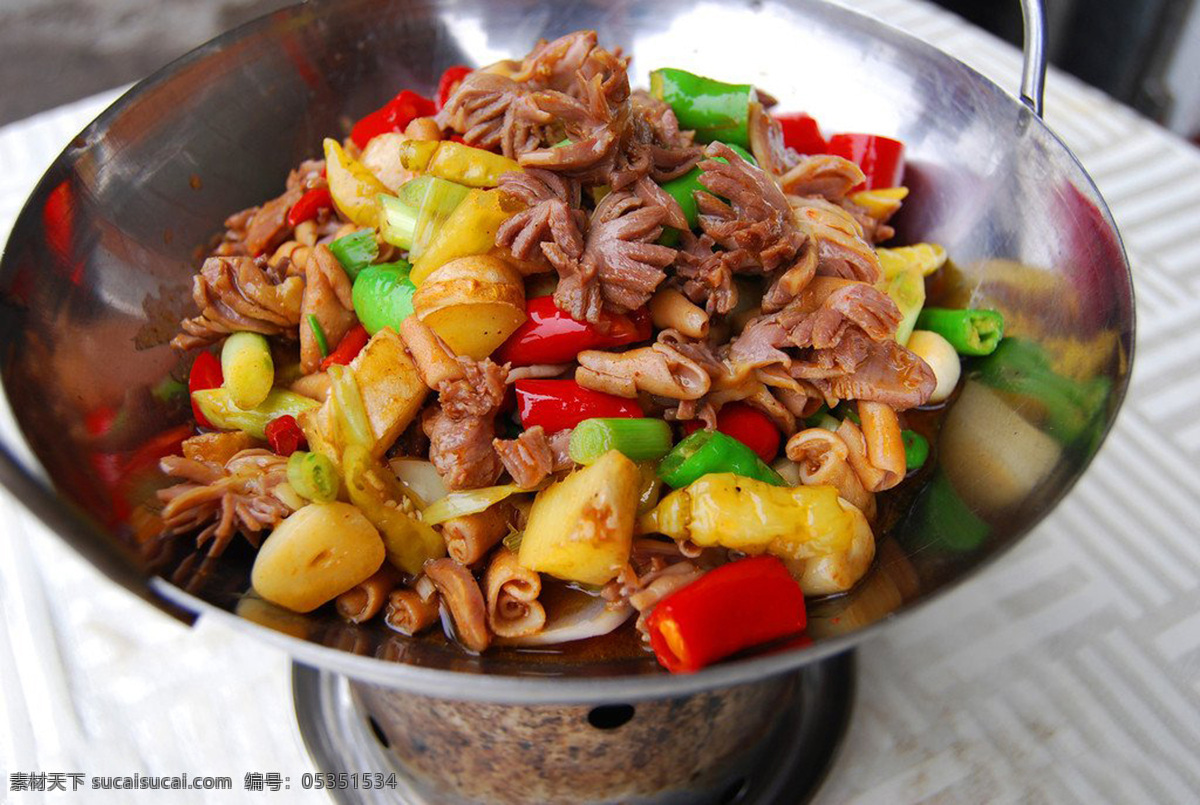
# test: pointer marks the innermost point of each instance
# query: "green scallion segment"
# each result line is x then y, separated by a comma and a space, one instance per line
707, 451
313, 476
638, 439
319, 333
418, 210
970, 332
355, 251
916, 449
513, 540
714, 109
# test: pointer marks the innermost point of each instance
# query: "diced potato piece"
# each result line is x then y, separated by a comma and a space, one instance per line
473, 303
218, 446
392, 393
993, 457
581, 528
470, 229
315, 555
382, 158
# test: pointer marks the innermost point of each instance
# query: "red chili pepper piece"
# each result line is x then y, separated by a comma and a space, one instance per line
99, 421
350, 345
559, 404
550, 335
733, 607
395, 115
206, 374
284, 435
309, 204
449, 82
881, 158
801, 132
748, 425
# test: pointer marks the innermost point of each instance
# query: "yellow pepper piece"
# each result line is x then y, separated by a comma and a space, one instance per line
743, 514
470, 229
906, 287
880, 203
354, 189
456, 162
926, 257
377, 493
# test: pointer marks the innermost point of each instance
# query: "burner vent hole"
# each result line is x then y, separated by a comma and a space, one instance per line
610, 716
379, 734
735, 792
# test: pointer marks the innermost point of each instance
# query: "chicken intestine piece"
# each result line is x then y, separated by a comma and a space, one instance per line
658, 369
876, 450
538, 371
823, 460
512, 592
328, 298
364, 601
469, 537
461, 595
241, 294
436, 364
223, 500
409, 612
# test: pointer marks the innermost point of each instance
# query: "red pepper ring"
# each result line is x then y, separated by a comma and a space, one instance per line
748, 425
395, 115
801, 132
348, 348
550, 335
449, 82
736, 606
881, 158
205, 374
284, 435
559, 404
307, 207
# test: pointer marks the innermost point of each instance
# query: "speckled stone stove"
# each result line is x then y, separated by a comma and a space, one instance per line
763, 743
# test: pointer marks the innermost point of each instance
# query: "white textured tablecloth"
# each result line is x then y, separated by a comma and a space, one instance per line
1067, 672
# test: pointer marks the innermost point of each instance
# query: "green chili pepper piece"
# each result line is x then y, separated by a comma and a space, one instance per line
383, 296
355, 251
970, 332
313, 476
683, 189
638, 439
707, 451
946, 521
714, 109
319, 333
916, 449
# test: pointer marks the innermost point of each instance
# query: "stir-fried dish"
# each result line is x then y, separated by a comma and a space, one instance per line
546, 355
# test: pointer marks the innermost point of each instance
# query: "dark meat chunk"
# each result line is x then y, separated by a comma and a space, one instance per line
241, 293
889, 374
841, 249
478, 393
461, 449
528, 458
493, 111
828, 308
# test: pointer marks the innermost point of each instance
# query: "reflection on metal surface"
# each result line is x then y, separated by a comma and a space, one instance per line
110, 235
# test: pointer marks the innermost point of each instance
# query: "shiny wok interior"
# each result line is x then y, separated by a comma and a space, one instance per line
97, 271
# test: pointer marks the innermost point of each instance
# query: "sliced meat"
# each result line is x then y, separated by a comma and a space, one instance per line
552, 218
241, 293
477, 393
828, 307
533, 456
328, 298
842, 250
886, 373
492, 111
825, 175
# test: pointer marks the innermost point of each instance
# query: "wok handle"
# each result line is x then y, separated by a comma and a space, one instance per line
1033, 75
